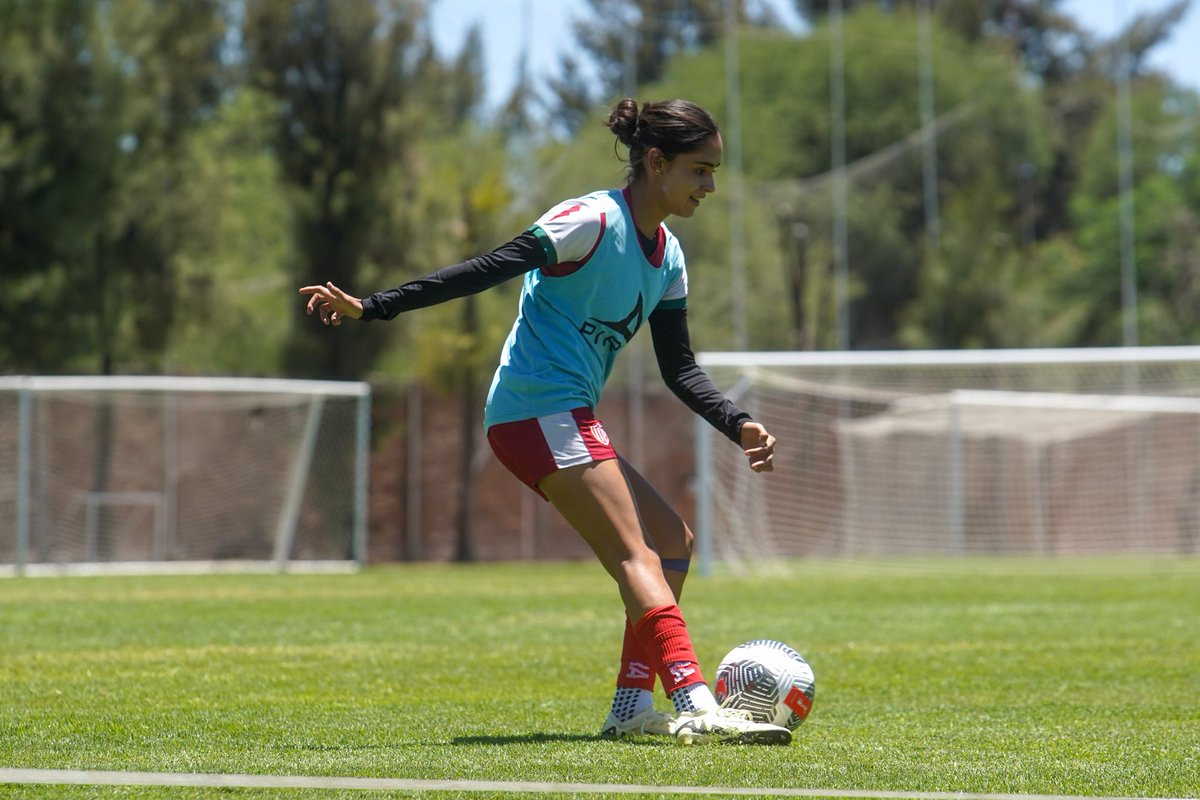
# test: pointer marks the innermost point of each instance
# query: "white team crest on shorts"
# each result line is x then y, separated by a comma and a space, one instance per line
599, 432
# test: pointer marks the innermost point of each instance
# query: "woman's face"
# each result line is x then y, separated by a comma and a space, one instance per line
688, 178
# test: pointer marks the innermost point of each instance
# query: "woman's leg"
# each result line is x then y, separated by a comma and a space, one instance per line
569, 460
599, 500
668, 533
672, 540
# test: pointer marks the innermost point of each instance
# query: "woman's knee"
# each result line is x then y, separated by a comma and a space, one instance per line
641, 567
666, 529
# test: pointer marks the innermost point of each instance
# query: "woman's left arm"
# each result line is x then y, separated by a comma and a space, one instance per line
681, 373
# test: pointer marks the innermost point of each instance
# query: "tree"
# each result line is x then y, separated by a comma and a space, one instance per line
630, 42
170, 56
1073, 69
1012, 205
461, 201
56, 136
1167, 227
343, 75
236, 294
985, 123
96, 104
1045, 36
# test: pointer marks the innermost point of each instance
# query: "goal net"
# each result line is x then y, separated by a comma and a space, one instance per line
1092, 451
175, 474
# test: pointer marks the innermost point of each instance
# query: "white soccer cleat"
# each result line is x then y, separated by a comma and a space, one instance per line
647, 721
727, 725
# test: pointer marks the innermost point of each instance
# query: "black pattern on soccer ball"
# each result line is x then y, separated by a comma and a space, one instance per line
768, 679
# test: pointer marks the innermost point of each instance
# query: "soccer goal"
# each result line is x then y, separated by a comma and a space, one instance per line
1054, 452
116, 473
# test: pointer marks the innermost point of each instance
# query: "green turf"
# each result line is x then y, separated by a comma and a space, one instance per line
1076, 677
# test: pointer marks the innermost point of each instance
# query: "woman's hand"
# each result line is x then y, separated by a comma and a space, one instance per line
332, 303
759, 446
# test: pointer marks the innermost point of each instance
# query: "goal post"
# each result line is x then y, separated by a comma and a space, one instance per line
172, 474
965, 452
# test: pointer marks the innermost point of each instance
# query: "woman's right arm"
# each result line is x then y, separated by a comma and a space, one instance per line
470, 277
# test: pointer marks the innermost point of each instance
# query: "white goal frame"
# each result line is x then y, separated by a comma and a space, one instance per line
27, 388
738, 372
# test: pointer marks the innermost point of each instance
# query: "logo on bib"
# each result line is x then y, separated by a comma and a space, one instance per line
614, 334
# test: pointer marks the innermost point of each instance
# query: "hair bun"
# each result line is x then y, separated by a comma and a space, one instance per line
668, 126
623, 121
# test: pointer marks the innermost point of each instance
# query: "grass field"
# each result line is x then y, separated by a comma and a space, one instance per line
1073, 677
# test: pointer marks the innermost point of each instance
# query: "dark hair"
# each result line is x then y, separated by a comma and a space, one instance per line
673, 126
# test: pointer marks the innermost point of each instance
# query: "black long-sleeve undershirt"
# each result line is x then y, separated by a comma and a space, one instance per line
470, 277
683, 376
668, 327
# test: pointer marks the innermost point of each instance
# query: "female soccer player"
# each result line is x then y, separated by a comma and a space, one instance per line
595, 268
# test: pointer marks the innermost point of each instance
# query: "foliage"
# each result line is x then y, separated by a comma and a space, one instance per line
236, 298
339, 71
787, 153
630, 43
1167, 230
169, 174
96, 105
466, 202
1009, 161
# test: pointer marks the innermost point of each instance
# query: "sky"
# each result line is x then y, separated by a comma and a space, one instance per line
546, 26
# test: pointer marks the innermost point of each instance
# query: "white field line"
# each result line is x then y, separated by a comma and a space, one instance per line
61, 777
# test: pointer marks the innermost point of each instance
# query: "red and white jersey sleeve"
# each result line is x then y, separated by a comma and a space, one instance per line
570, 231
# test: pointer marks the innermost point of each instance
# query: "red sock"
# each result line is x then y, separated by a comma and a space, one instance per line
636, 672
664, 637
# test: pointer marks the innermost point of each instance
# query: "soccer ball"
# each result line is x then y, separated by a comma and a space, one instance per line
768, 679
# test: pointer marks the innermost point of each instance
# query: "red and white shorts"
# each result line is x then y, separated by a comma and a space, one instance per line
531, 449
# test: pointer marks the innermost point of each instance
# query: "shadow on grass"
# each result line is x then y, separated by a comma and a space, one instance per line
540, 738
